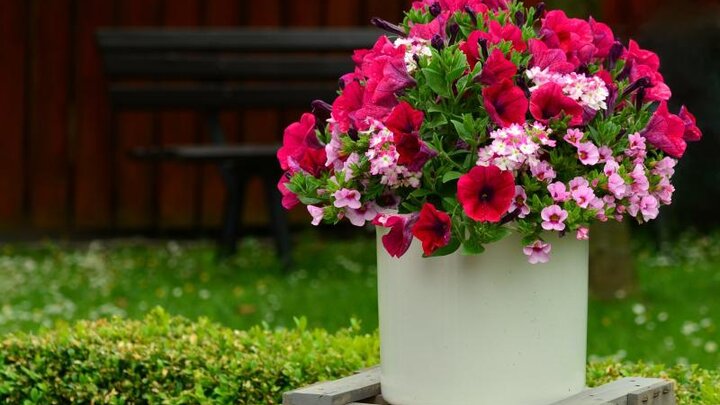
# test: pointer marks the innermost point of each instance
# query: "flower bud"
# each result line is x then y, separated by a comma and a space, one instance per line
540, 9
437, 42
435, 9
520, 18
472, 14
616, 52
388, 26
483, 47
322, 112
453, 30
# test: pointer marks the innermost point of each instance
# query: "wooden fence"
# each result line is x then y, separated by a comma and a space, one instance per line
63, 162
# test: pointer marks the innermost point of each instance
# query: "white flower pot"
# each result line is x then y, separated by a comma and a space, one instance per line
488, 329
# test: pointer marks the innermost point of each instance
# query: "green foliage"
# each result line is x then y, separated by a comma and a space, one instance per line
164, 359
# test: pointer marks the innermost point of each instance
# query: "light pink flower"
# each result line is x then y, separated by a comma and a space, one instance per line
611, 167
640, 184
574, 136
583, 233
578, 182
559, 192
588, 154
616, 185
543, 171
649, 207
664, 191
538, 252
583, 196
360, 216
665, 167
520, 202
317, 214
554, 218
606, 154
347, 198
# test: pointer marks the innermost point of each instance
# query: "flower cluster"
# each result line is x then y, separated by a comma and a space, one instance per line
480, 118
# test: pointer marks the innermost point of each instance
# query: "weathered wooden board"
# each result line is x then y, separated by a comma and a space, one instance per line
363, 388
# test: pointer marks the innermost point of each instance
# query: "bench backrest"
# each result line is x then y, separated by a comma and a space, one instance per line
216, 69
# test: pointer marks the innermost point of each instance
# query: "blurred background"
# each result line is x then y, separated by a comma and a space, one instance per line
65, 175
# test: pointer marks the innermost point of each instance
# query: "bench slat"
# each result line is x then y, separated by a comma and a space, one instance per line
216, 67
210, 152
258, 40
164, 96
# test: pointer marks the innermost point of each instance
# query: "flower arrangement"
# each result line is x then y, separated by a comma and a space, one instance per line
486, 117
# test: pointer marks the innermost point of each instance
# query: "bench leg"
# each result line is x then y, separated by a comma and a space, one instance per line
235, 187
279, 220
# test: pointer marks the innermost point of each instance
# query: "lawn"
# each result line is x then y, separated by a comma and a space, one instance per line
672, 319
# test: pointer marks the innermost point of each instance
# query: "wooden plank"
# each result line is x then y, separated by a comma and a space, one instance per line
219, 13
178, 183
14, 20
134, 196
339, 392
306, 13
48, 133
92, 155
344, 14
619, 392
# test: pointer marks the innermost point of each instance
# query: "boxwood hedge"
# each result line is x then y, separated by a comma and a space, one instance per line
164, 359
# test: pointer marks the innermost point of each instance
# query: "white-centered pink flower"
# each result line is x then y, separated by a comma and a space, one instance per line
558, 192
589, 91
606, 154
588, 153
611, 167
578, 182
317, 214
359, 217
543, 171
347, 198
538, 252
554, 218
574, 136
583, 233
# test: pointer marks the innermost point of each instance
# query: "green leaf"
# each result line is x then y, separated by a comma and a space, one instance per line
451, 248
471, 248
436, 81
450, 176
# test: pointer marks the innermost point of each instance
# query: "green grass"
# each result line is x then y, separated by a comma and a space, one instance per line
672, 319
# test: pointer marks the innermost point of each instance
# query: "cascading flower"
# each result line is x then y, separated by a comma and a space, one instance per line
479, 118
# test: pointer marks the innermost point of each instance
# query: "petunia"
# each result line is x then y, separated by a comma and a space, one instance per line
301, 149
359, 217
558, 192
588, 153
583, 233
486, 193
573, 35
553, 218
398, 240
583, 196
543, 57
497, 69
497, 33
617, 186
603, 38
549, 102
505, 103
347, 198
519, 203
317, 214
692, 132
538, 252
665, 131
433, 229
289, 199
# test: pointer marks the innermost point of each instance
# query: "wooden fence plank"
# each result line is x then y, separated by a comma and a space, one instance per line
135, 182
13, 51
48, 131
92, 208
178, 182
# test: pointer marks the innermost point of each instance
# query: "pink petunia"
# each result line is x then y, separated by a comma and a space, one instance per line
583, 196
347, 198
398, 240
583, 233
649, 207
538, 252
559, 192
359, 217
617, 186
574, 136
578, 182
554, 218
543, 171
588, 153
317, 214
519, 203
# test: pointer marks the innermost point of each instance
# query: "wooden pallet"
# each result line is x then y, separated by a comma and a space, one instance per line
364, 388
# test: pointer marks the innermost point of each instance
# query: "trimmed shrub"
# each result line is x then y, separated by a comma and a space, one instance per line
164, 359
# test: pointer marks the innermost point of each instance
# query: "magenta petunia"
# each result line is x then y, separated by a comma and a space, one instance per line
486, 193
573, 35
665, 131
289, 199
498, 33
549, 102
433, 229
543, 57
692, 132
398, 240
603, 38
505, 103
497, 69
301, 149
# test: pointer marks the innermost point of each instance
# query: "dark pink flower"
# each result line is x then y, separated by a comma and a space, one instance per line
289, 199
603, 38
486, 193
478, 6
692, 132
505, 103
353, 108
497, 33
405, 122
301, 149
398, 240
573, 35
543, 57
404, 119
471, 48
665, 131
429, 30
646, 64
433, 229
549, 102
497, 69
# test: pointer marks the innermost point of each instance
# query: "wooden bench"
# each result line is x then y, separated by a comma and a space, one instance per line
216, 70
363, 388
